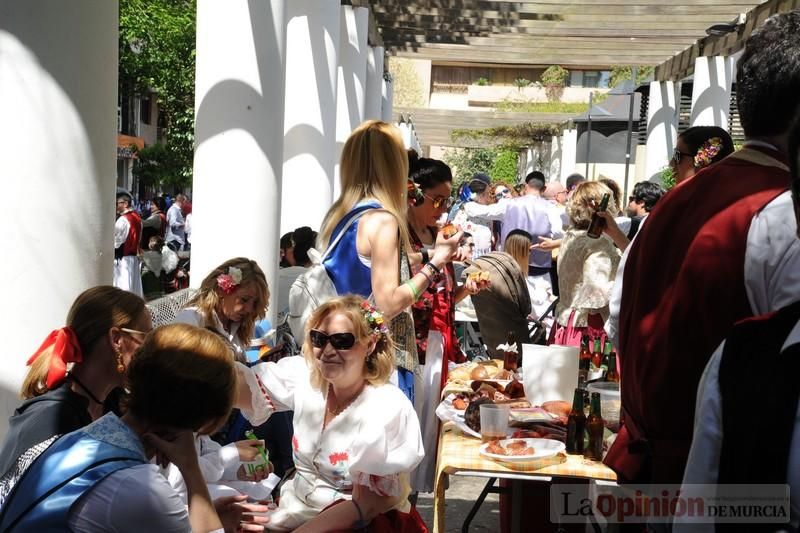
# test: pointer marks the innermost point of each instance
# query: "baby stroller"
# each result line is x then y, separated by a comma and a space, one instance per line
506, 305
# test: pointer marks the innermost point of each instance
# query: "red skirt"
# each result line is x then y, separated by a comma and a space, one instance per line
570, 335
393, 521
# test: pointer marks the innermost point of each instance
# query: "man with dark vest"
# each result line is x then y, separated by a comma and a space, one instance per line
718, 248
753, 375
127, 234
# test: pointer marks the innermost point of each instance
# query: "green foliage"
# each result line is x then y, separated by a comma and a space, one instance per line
554, 79
406, 83
541, 107
157, 52
482, 81
465, 162
158, 165
510, 137
667, 177
520, 83
505, 166
621, 73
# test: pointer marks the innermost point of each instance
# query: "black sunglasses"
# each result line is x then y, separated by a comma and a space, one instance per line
340, 341
677, 155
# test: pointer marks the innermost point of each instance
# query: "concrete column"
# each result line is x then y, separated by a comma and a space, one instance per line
386, 101
239, 135
555, 158
569, 153
711, 92
352, 77
309, 150
662, 125
374, 86
58, 102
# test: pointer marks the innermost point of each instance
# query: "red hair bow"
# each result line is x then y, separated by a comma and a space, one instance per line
66, 349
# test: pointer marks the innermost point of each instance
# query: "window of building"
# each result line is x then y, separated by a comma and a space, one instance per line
144, 109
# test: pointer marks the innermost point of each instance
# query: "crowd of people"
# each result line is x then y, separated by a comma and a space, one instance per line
120, 422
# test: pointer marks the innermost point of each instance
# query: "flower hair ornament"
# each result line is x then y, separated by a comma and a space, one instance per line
707, 152
415, 195
374, 318
229, 281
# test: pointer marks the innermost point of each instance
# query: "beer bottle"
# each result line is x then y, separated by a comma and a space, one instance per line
511, 355
613, 374
594, 426
585, 358
576, 425
582, 387
606, 353
597, 224
597, 355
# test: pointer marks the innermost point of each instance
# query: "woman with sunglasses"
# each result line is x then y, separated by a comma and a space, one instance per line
434, 312
697, 148
371, 257
356, 437
72, 373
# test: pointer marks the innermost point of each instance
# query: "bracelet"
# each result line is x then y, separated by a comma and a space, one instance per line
434, 267
425, 256
434, 275
414, 291
427, 276
360, 525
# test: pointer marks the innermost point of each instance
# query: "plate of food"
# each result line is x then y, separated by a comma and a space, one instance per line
521, 449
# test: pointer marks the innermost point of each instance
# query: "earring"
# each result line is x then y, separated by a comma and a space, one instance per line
371, 363
120, 363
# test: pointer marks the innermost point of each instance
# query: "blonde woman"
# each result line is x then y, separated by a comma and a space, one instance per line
370, 258
231, 299
99, 478
586, 270
72, 373
356, 437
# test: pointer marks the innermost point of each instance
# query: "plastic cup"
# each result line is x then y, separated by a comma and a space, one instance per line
494, 422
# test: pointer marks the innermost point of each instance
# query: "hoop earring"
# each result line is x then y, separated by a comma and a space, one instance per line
120, 363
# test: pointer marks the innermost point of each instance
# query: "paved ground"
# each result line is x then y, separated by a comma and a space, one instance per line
461, 495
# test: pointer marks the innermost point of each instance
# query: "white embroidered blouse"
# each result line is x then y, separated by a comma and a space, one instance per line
586, 271
375, 442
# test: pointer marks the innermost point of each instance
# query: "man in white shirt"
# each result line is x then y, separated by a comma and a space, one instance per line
127, 234
176, 235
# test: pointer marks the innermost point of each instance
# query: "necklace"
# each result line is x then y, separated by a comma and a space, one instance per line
85, 389
339, 409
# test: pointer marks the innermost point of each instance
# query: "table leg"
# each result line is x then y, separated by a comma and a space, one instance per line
477, 505
516, 505
438, 503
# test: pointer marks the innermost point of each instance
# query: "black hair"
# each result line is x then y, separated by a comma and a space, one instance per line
125, 196
648, 192
304, 239
535, 180
794, 159
426, 172
287, 240
573, 180
768, 77
159, 201
695, 137
521, 232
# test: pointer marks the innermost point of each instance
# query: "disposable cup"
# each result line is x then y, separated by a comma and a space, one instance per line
494, 422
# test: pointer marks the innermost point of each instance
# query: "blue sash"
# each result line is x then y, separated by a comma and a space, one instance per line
74, 464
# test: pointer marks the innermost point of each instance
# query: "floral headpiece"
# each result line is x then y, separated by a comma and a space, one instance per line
415, 195
228, 282
707, 152
374, 318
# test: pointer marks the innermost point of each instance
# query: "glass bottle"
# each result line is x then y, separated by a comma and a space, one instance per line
511, 355
585, 359
597, 355
576, 424
613, 374
595, 427
597, 224
606, 353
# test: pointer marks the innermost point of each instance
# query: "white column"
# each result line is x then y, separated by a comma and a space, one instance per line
352, 74
309, 150
711, 91
239, 135
555, 158
386, 101
374, 87
569, 153
58, 101
662, 125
